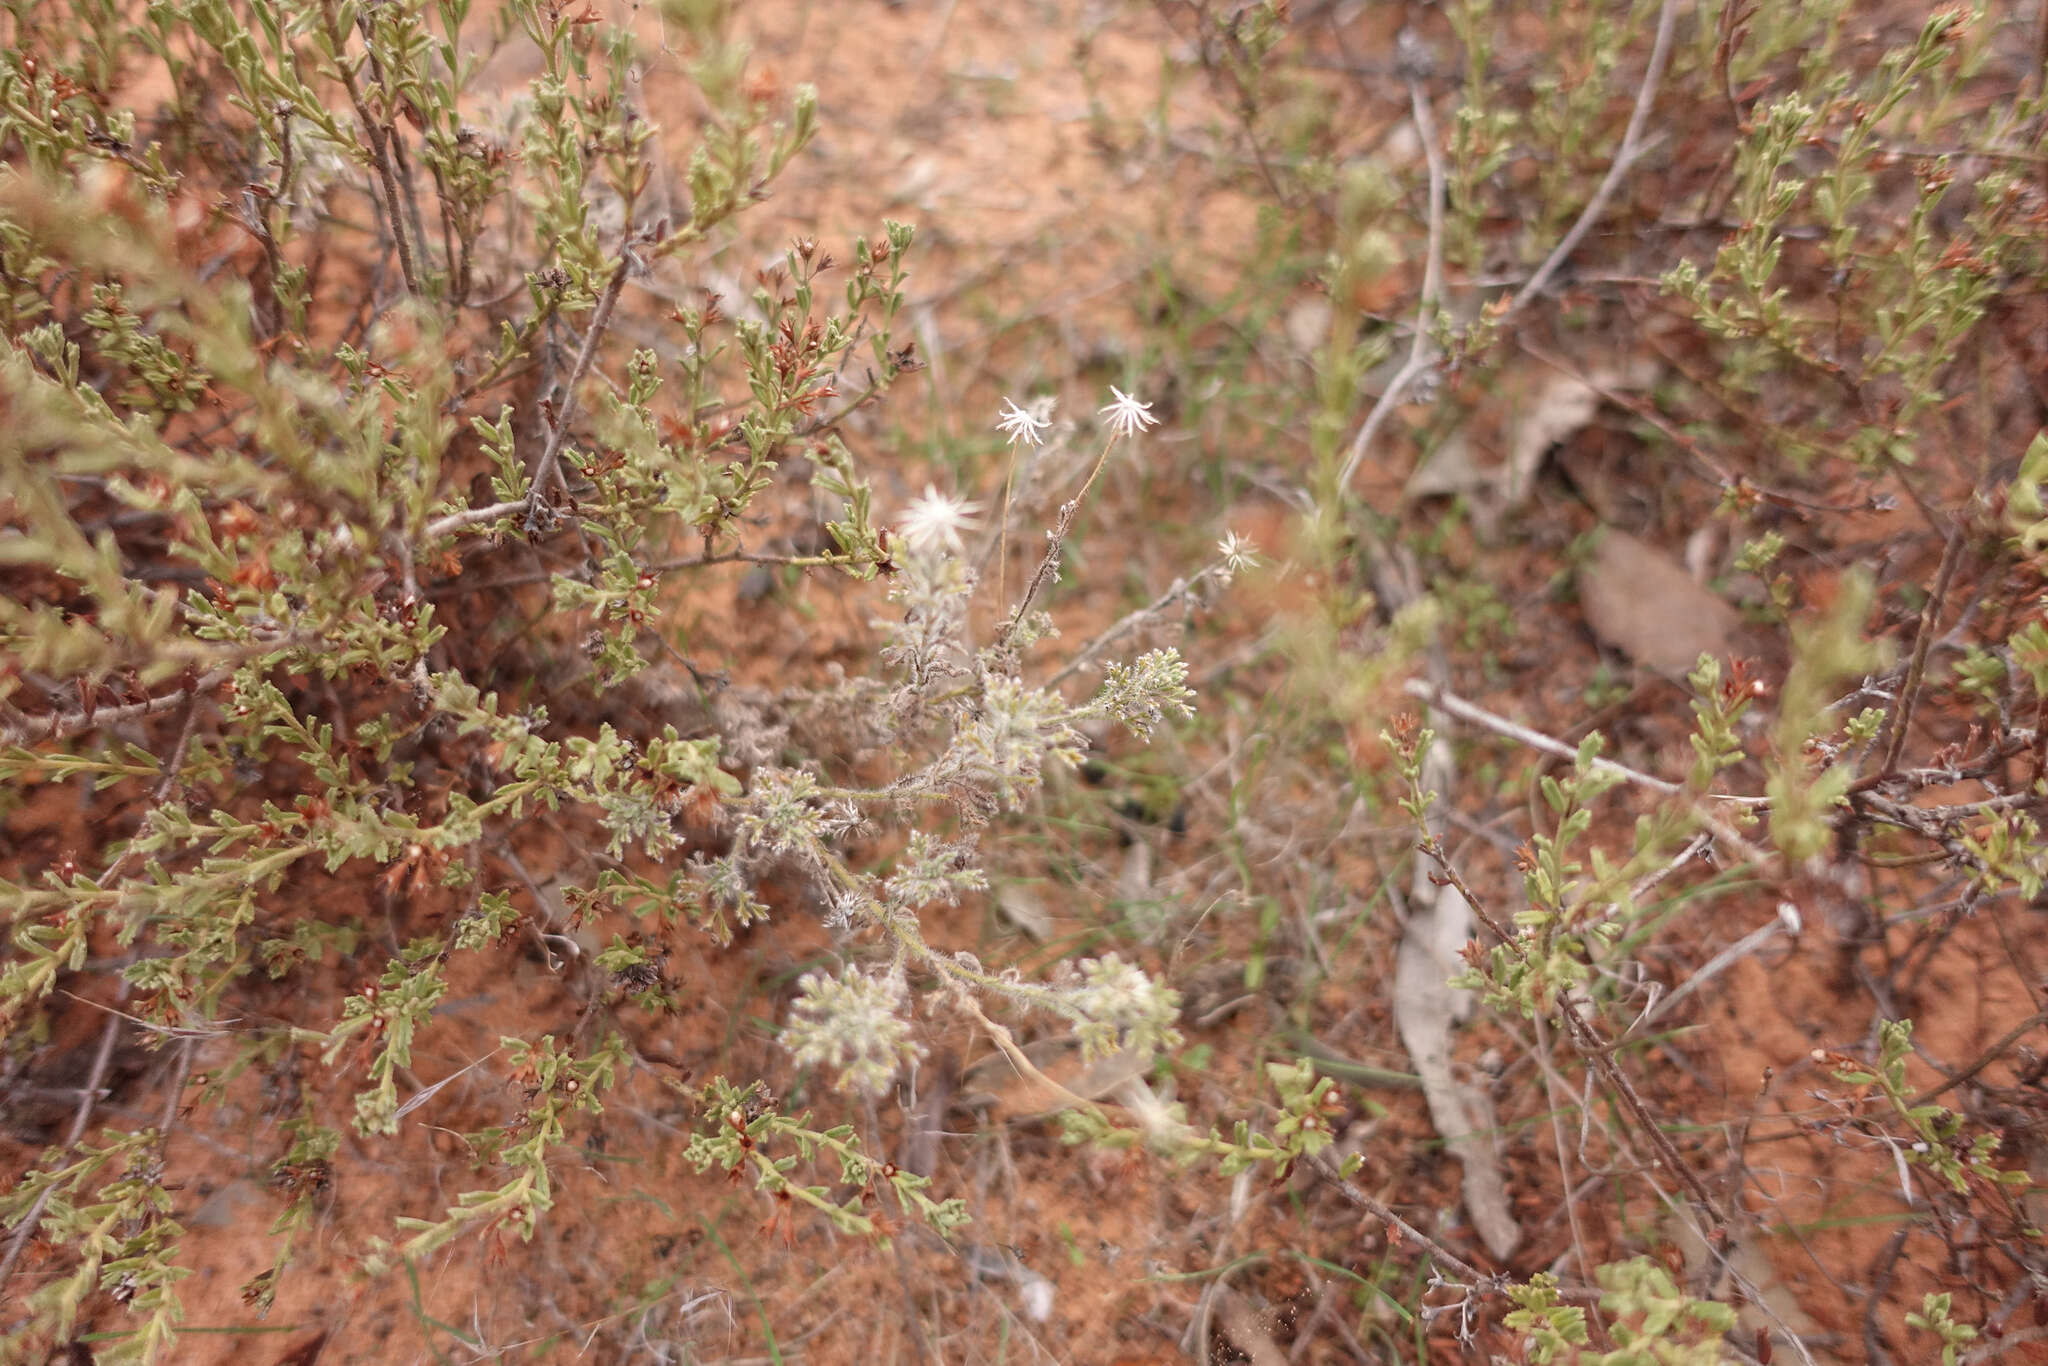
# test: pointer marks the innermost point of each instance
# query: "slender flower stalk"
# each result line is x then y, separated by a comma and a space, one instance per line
1021, 424
1126, 417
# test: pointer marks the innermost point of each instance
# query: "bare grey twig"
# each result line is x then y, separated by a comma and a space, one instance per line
36, 730
1631, 148
1054, 540
1900, 718
1175, 592
1420, 358
380, 148
1984, 1060
1477, 1280
548, 468
457, 521
1420, 350
88, 1097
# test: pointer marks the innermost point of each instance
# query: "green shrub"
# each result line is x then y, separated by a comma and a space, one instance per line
245, 514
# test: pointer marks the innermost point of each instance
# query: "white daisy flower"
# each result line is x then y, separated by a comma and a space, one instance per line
1127, 416
1238, 553
1021, 424
937, 519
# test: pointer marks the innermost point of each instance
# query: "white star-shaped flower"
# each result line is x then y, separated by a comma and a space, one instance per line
1238, 553
937, 519
1127, 416
1021, 424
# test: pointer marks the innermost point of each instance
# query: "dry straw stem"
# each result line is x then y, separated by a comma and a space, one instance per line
1007, 1042
1177, 590
1742, 948
1560, 1100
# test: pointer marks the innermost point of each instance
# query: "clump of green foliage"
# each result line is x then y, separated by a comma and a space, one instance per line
291, 360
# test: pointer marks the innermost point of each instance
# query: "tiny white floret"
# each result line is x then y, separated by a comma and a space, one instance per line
1238, 553
1127, 416
937, 519
1021, 424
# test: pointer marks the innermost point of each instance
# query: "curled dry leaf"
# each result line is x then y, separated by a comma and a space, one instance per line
1497, 474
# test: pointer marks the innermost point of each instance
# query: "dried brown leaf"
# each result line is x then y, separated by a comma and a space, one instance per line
1641, 602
